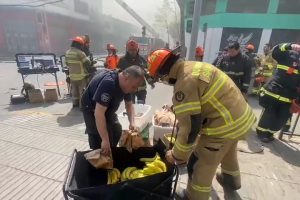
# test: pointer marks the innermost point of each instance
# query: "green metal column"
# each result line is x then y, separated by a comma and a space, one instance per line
273, 6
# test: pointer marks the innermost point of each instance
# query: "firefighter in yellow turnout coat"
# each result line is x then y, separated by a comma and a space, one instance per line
205, 101
78, 64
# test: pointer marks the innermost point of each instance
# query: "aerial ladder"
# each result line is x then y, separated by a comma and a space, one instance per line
138, 18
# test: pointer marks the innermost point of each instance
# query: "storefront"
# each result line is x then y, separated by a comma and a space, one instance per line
246, 21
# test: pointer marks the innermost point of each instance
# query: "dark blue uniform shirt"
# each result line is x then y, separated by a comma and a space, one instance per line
104, 89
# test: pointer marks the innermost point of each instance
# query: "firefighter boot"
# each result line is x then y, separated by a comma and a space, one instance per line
229, 182
265, 137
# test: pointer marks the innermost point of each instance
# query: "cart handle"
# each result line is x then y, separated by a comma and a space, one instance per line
68, 172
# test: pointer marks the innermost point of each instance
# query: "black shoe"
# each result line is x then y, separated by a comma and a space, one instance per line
265, 138
180, 194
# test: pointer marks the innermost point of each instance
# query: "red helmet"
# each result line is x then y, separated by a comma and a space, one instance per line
78, 39
156, 60
132, 45
199, 51
250, 47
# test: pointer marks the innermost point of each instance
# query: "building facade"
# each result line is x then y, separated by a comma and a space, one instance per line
246, 21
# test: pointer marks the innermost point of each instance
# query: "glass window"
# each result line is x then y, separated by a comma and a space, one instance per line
248, 6
208, 7
284, 35
190, 8
289, 7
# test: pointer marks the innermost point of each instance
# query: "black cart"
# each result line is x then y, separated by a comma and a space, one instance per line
84, 182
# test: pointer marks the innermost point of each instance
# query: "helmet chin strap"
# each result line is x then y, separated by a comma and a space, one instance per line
166, 67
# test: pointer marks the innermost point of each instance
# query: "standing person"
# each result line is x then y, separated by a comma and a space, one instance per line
86, 46
237, 66
205, 99
277, 95
112, 59
78, 65
249, 51
132, 57
101, 100
266, 62
88, 53
199, 53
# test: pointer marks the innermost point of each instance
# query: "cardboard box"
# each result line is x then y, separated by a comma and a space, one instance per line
50, 95
35, 96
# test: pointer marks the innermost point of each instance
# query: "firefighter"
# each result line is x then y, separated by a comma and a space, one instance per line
266, 62
78, 65
86, 46
132, 57
112, 59
199, 53
101, 100
249, 51
203, 100
276, 96
237, 66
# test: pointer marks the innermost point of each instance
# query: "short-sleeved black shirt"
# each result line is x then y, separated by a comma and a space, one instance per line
104, 89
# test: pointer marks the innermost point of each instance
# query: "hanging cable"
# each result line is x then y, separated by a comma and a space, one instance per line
25, 4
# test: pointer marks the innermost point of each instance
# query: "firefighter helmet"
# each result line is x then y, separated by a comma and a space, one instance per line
132, 45
250, 47
156, 60
78, 39
199, 51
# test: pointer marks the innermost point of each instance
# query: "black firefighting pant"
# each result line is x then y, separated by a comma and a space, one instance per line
274, 116
113, 126
141, 97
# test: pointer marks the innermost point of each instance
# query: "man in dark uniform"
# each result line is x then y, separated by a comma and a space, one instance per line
277, 95
132, 57
101, 100
237, 66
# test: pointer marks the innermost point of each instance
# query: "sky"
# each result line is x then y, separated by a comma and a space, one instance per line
145, 8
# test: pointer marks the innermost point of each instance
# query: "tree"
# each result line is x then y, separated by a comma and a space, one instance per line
167, 20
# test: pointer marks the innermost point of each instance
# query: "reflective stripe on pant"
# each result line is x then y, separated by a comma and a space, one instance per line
273, 118
210, 152
77, 90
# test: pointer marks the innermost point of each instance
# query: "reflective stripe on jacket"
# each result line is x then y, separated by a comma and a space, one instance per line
203, 89
76, 61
